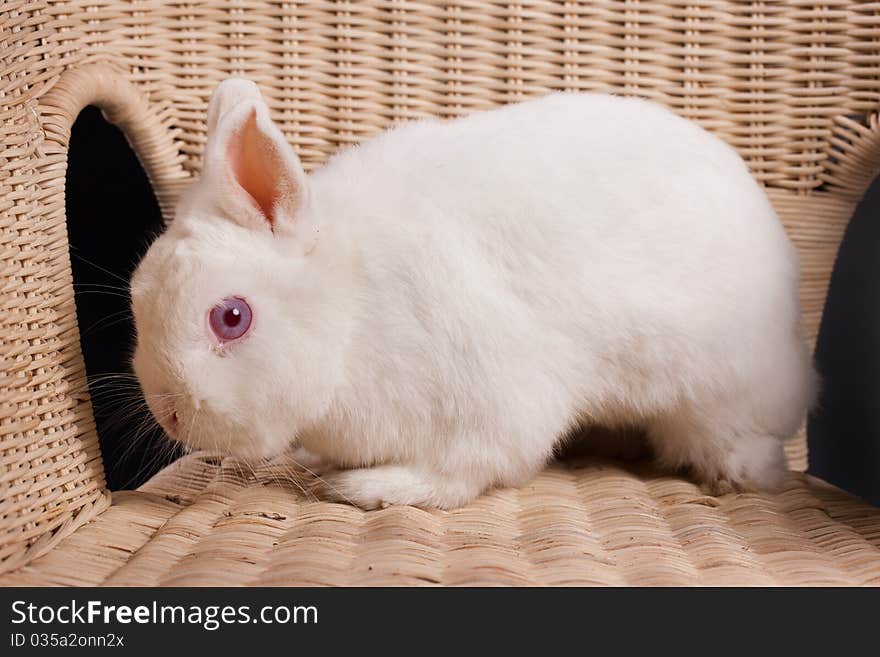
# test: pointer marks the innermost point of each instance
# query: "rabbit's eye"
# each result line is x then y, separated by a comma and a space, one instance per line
230, 319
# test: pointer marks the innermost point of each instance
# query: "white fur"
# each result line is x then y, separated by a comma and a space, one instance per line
478, 288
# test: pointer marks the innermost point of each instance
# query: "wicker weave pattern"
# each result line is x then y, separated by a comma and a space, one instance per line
793, 86
203, 523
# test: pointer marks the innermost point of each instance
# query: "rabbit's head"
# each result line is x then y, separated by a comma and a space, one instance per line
241, 306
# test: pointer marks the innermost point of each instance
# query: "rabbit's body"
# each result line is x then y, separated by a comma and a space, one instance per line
490, 283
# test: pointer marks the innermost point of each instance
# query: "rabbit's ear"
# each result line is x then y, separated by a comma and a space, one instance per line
256, 176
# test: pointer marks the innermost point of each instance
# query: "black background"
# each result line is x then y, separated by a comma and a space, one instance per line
844, 431
112, 217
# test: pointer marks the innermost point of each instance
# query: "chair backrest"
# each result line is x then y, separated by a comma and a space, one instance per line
793, 86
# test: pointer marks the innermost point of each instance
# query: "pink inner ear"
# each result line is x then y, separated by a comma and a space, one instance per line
258, 167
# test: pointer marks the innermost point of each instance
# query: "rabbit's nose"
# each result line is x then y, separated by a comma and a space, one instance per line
172, 422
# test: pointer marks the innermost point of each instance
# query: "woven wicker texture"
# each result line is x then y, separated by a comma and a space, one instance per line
793, 86
207, 521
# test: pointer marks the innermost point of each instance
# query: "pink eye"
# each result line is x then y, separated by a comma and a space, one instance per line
230, 319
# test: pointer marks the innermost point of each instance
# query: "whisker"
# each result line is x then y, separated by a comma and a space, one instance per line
73, 250
106, 286
325, 482
105, 323
108, 293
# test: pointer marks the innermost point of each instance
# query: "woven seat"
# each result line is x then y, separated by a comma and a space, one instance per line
209, 521
794, 88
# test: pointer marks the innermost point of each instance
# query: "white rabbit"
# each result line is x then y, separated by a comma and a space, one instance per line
437, 308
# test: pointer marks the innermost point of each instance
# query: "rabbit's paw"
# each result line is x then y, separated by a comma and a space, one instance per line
386, 485
309, 461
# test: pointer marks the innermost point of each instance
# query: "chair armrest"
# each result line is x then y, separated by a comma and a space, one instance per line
51, 474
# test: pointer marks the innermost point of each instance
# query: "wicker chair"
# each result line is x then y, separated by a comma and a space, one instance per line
795, 87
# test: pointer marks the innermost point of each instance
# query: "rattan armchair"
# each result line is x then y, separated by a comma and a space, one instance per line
795, 87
